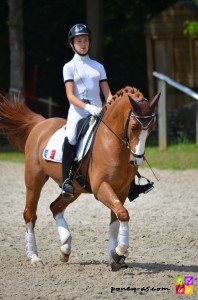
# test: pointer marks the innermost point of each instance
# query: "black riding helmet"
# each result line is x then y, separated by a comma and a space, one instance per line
78, 29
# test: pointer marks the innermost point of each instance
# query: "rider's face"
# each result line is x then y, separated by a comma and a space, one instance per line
81, 43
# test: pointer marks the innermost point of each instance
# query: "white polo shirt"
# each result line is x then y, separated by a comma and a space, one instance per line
86, 75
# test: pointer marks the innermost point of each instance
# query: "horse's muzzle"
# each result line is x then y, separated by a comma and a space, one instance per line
136, 160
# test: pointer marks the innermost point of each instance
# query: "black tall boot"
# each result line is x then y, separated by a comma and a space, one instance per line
67, 162
136, 189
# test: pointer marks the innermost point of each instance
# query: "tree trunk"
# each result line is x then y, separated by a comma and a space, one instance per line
16, 48
95, 23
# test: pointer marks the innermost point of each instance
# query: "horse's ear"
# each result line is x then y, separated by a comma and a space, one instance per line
155, 100
134, 104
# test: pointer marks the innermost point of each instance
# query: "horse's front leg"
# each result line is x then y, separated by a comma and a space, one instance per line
58, 207
119, 229
65, 237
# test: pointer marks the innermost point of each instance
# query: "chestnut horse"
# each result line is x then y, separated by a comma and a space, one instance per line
117, 151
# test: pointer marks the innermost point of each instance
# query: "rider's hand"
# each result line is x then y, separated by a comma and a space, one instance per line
93, 110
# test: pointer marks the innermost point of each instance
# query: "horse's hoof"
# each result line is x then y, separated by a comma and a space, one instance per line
36, 261
38, 264
63, 257
118, 261
118, 266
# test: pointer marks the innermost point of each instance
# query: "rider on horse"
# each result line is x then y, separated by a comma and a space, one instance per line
83, 78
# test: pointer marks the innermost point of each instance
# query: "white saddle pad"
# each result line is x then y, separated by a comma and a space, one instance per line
54, 148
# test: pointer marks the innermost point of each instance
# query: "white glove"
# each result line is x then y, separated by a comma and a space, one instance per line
93, 110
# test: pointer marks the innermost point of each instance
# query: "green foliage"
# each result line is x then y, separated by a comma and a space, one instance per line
191, 26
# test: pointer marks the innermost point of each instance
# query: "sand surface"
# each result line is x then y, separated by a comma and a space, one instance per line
163, 242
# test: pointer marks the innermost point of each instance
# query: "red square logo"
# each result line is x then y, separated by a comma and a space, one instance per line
179, 289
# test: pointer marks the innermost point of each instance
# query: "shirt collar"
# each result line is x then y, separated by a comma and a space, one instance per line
78, 57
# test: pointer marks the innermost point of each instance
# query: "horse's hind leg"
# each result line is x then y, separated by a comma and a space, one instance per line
58, 207
34, 184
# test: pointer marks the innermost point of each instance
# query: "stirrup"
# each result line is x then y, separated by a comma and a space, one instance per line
137, 189
67, 189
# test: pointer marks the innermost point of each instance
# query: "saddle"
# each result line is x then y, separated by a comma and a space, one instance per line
81, 129
83, 126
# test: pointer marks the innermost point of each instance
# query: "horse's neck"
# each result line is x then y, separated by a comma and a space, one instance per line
117, 113
111, 131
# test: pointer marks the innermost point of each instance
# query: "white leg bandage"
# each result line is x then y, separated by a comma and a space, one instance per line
113, 235
30, 240
123, 238
64, 233
113, 238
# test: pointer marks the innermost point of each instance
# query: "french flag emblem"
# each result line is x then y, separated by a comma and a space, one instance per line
53, 152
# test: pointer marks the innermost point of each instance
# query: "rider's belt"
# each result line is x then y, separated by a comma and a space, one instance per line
86, 101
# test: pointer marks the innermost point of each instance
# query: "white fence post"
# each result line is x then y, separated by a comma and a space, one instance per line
197, 123
162, 116
162, 81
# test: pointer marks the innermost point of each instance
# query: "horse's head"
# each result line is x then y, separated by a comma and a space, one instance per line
140, 122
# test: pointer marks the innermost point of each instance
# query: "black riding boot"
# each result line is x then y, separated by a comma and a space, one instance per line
136, 189
67, 162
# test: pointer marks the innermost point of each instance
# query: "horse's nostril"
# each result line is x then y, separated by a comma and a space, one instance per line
133, 163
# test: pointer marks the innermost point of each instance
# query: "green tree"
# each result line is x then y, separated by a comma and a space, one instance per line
191, 26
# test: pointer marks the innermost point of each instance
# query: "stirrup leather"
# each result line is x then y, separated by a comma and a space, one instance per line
67, 189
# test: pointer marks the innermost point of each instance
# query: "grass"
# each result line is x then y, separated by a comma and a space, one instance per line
8, 154
175, 157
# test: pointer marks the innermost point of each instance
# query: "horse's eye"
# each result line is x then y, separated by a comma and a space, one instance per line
134, 128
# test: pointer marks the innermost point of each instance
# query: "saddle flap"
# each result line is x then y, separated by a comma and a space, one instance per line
82, 127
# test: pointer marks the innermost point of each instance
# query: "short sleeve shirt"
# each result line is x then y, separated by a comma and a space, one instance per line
86, 75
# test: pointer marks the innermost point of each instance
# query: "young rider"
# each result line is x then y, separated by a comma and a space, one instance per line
84, 78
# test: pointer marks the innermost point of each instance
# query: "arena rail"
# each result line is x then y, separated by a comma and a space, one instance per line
162, 81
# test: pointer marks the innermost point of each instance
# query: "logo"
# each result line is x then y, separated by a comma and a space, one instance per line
184, 284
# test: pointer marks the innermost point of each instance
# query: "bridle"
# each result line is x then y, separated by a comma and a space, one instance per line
139, 119
125, 141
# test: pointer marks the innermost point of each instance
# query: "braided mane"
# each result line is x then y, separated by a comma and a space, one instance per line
135, 93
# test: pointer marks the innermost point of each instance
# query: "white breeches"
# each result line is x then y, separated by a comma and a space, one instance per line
73, 117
